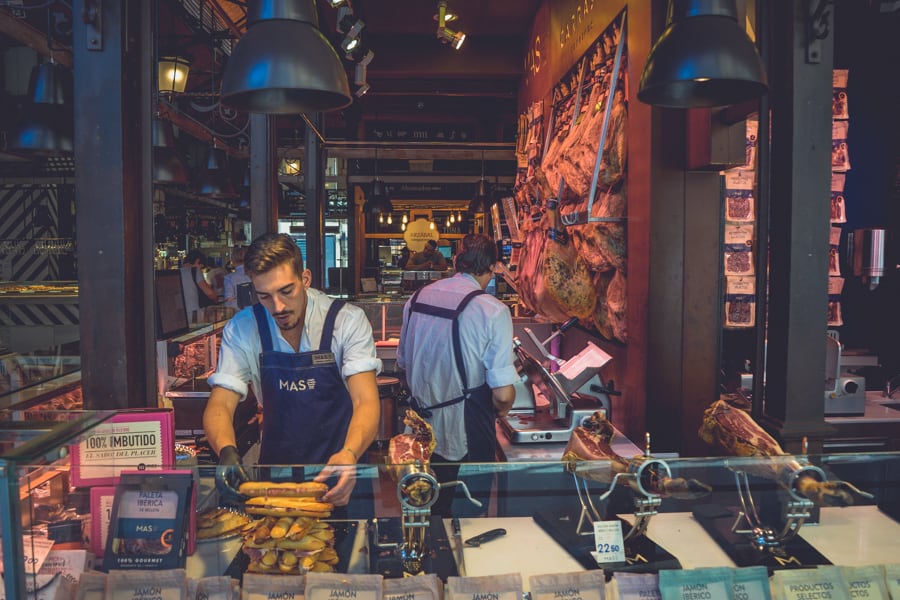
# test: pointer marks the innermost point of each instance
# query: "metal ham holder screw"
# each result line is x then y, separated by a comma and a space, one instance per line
646, 502
417, 490
796, 511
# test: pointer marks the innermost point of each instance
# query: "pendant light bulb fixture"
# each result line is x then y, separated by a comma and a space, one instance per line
431, 225
704, 58
283, 64
378, 201
402, 226
405, 219
381, 217
390, 219
47, 124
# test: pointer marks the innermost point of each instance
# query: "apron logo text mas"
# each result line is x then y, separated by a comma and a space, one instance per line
299, 385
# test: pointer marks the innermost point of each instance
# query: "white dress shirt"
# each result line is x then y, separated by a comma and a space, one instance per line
352, 343
425, 352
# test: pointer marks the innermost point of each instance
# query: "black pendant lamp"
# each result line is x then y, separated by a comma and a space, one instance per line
47, 124
283, 64
481, 201
704, 58
168, 166
214, 181
378, 202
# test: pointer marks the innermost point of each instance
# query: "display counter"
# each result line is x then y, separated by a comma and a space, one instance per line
547, 507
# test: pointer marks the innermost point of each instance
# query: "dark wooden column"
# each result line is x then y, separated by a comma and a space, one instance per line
313, 177
115, 277
263, 182
800, 178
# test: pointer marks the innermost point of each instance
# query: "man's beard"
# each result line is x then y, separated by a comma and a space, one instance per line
286, 325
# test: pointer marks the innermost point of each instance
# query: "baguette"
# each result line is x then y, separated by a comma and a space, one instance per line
219, 523
311, 506
304, 489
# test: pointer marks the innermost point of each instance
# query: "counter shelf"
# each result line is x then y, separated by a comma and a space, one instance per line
867, 533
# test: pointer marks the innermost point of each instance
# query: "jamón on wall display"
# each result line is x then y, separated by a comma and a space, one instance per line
573, 260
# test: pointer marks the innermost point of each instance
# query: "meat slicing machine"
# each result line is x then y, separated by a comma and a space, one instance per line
552, 396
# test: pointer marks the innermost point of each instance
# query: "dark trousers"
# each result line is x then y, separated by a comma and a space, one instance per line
451, 501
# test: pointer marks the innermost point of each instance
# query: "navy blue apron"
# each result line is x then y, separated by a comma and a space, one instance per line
306, 406
479, 407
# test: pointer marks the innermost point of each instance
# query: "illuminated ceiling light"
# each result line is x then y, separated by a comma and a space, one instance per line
351, 26
448, 223
448, 16
290, 166
360, 74
431, 225
172, 74
444, 33
381, 217
452, 219
459, 216
704, 58
390, 219
405, 219
283, 64
454, 38
403, 227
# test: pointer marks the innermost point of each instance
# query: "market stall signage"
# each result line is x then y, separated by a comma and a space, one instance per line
141, 440
418, 233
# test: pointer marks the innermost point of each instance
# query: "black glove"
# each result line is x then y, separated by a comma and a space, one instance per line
229, 475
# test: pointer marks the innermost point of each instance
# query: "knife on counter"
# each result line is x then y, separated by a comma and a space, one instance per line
458, 546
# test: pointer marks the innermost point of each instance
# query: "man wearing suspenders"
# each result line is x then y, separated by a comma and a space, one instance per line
311, 362
456, 350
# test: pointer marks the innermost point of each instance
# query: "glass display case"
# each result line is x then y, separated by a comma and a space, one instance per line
535, 516
39, 339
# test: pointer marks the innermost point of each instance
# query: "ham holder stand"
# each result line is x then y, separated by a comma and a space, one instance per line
642, 555
748, 535
418, 543
549, 400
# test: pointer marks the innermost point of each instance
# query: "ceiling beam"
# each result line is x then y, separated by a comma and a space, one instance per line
22, 32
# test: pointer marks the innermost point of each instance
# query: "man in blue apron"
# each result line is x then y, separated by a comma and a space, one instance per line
456, 348
311, 363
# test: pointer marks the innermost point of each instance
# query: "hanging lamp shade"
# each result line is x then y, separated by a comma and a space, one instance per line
704, 58
481, 201
214, 181
47, 123
172, 74
168, 165
283, 64
378, 201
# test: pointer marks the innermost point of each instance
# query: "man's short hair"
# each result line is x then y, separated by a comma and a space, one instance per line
431, 244
476, 254
271, 250
195, 255
238, 253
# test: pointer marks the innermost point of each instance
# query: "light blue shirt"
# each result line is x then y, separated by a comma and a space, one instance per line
426, 353
352, 343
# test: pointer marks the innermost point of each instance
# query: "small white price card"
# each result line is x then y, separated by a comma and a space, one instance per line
608, 544
36, 551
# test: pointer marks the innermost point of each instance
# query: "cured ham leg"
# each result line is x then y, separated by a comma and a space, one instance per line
733, 430
413, 448
591, 442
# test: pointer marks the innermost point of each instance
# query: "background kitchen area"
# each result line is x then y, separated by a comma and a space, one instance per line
127, 165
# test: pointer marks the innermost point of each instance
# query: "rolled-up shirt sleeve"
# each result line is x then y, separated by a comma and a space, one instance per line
500, 369
233, 371
358, 343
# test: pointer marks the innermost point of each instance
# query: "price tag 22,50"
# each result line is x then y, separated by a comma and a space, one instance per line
608, 544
